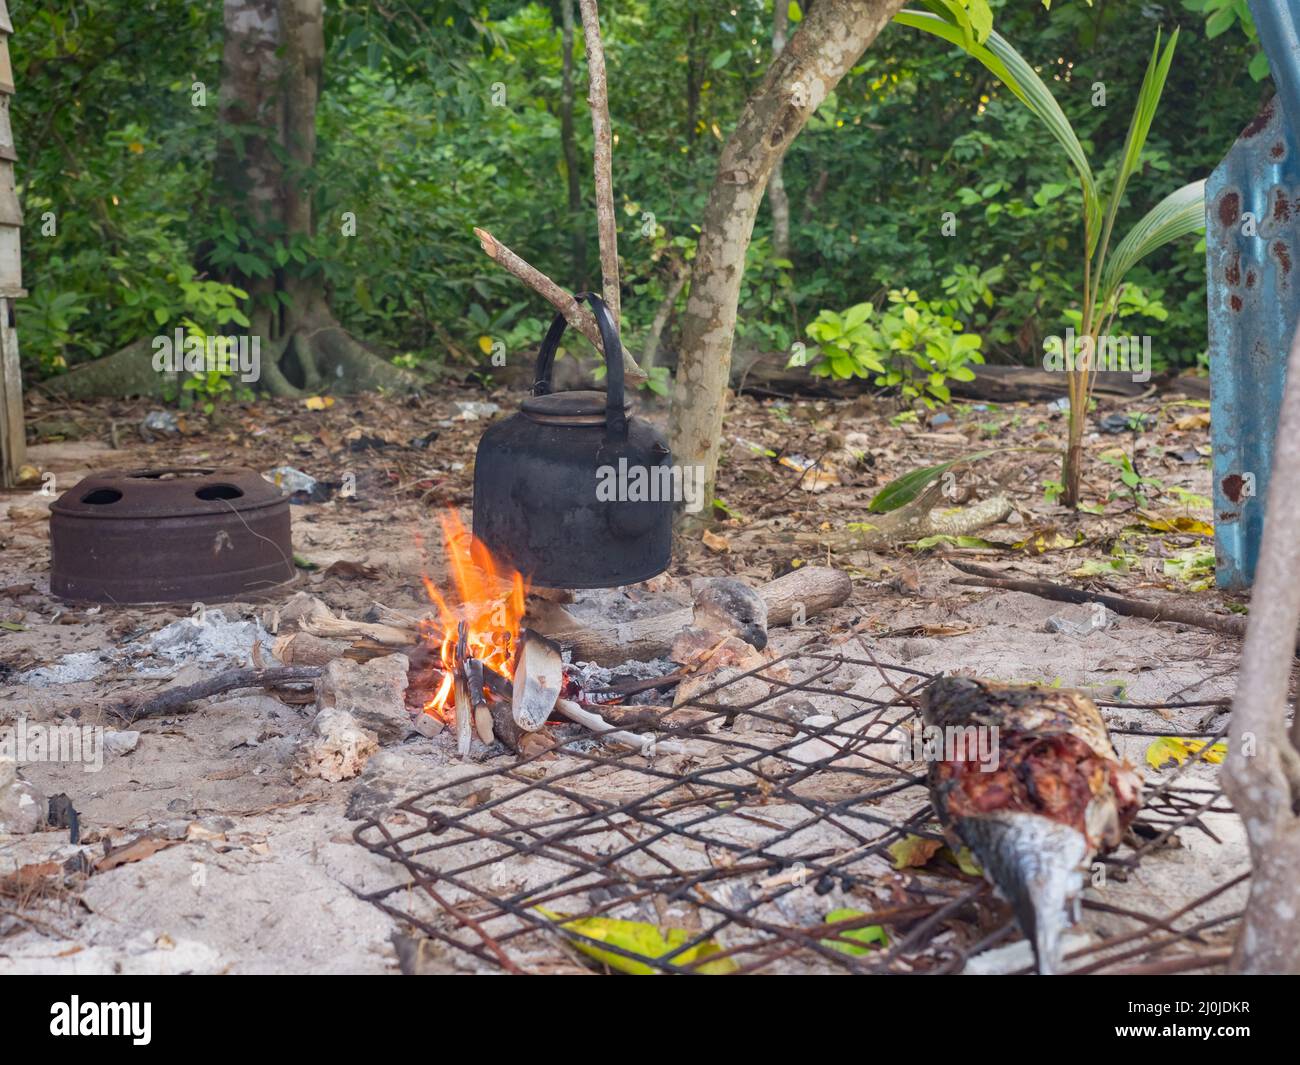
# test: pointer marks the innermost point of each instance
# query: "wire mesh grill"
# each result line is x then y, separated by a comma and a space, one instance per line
760, 845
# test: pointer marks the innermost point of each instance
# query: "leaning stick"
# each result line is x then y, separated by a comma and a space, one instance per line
577, 315
1261, 773
603, 141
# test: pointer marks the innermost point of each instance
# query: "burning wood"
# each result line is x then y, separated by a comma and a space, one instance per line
792, 598
538, 679
496, 680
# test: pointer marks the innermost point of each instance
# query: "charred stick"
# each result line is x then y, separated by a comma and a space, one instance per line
644, 717
647, 745
175, 700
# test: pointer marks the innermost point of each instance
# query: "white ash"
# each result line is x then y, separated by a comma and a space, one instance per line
617, 605
591, 677
209, 638
70, 669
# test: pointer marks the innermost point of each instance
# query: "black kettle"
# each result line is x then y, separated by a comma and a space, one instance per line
571, 491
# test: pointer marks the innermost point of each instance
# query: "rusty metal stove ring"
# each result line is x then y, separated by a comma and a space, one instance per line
173, 535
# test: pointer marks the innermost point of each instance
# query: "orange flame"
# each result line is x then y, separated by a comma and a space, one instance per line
490, 602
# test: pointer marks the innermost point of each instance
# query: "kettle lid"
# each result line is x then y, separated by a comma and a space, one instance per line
571, 408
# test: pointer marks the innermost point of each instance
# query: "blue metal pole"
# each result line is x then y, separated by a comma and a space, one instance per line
1252, 248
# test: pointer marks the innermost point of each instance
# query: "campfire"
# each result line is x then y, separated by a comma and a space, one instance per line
484, 622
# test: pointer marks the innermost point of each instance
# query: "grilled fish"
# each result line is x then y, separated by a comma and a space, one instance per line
1056, 795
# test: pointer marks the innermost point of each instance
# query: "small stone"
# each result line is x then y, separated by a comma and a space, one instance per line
427, 724
373, 692
23, 807
121, 742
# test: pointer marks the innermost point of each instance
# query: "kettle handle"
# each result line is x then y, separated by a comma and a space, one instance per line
615, 414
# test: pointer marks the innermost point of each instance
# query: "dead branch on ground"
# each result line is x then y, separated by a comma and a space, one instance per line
915, 521
983, 577
175, 700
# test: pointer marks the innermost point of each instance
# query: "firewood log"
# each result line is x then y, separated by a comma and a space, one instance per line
798, 595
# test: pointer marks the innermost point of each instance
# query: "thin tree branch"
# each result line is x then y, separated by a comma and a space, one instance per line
578, 316
603, 139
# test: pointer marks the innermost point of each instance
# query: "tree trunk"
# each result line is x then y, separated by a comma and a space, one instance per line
1262, 771
830, 39
270, 82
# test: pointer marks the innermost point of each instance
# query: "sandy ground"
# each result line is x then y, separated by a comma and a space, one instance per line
259, 872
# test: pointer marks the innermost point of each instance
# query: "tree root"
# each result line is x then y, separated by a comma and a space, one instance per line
326, 358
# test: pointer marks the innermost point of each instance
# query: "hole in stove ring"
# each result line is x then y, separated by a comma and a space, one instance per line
101, 497
211, 492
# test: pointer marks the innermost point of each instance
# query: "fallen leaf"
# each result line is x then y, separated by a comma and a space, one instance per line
714, 542
1195, 566
26, 877
351, 571
1176, 749
904, 489
135, 851
1179, 523
1193, 421
928, 542
1104, 567
1048, 539
863, 934
637, 937
318, 402
913, 852
963, 859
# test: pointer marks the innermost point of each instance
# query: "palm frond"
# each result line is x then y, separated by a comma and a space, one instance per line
1011, 68
1178, 214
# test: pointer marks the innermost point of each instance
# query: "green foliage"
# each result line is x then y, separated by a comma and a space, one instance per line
412, 140
910, 344
1134, 485
1221, 16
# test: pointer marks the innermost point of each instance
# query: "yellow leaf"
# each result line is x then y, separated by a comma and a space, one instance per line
1168, 749
1179, 523
318, 402
1047, 540
1194, 421
136, 147
637, 937
485, 345
963, 859
912, 852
